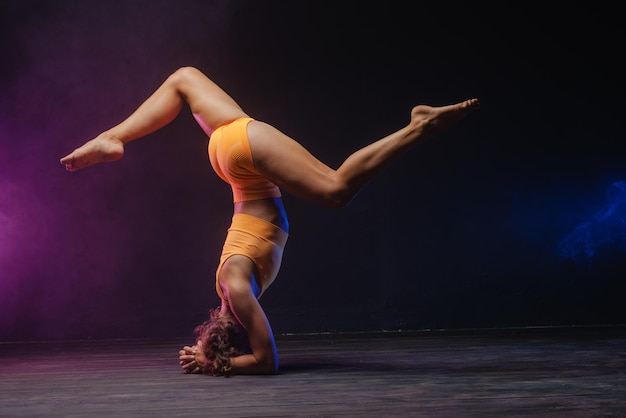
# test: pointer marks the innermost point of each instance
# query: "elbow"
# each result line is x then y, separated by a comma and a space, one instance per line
269, 370
270, 366
274, 368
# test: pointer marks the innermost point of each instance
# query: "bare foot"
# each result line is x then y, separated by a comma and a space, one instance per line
101, 148
429, 121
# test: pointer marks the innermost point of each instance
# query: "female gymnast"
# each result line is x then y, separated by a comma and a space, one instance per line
258, 161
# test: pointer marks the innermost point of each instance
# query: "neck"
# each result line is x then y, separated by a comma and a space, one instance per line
225, 309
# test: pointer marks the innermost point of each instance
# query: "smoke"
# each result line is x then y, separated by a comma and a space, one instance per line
73, 69
603, 233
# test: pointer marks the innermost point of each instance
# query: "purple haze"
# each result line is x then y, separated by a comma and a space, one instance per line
69, 241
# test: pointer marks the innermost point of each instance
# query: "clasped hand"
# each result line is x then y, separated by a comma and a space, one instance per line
192, 359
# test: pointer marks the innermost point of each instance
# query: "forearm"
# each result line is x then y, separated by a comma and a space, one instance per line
249, 364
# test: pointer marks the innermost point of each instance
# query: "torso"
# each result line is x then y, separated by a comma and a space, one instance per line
271, 210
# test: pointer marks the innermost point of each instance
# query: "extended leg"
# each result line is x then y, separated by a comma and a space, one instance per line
209, 103
294, 169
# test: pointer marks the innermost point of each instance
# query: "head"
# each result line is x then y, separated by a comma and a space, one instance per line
221, 337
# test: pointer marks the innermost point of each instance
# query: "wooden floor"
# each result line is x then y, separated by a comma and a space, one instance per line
574, 372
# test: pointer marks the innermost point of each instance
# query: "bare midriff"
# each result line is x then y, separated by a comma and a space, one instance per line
270, 210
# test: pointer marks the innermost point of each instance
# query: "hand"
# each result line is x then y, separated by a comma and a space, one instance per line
192, 359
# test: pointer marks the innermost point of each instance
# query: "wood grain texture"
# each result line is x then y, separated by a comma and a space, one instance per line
575, 372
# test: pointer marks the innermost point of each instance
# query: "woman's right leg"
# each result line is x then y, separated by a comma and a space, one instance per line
290, 166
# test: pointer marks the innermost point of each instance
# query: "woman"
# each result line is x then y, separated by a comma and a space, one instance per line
258, 161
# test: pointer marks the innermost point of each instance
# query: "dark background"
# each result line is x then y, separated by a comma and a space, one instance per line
514, 218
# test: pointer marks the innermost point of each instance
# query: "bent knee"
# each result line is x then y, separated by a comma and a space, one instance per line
185, 75
338, 195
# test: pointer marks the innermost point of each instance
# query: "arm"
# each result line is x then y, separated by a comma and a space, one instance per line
247, 310
264, 357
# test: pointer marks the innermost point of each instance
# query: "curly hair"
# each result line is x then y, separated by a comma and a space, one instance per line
221, 339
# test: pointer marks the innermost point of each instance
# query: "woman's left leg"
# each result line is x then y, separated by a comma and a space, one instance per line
209, 103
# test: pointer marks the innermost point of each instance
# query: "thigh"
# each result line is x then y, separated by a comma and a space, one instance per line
287, 163
210, 105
